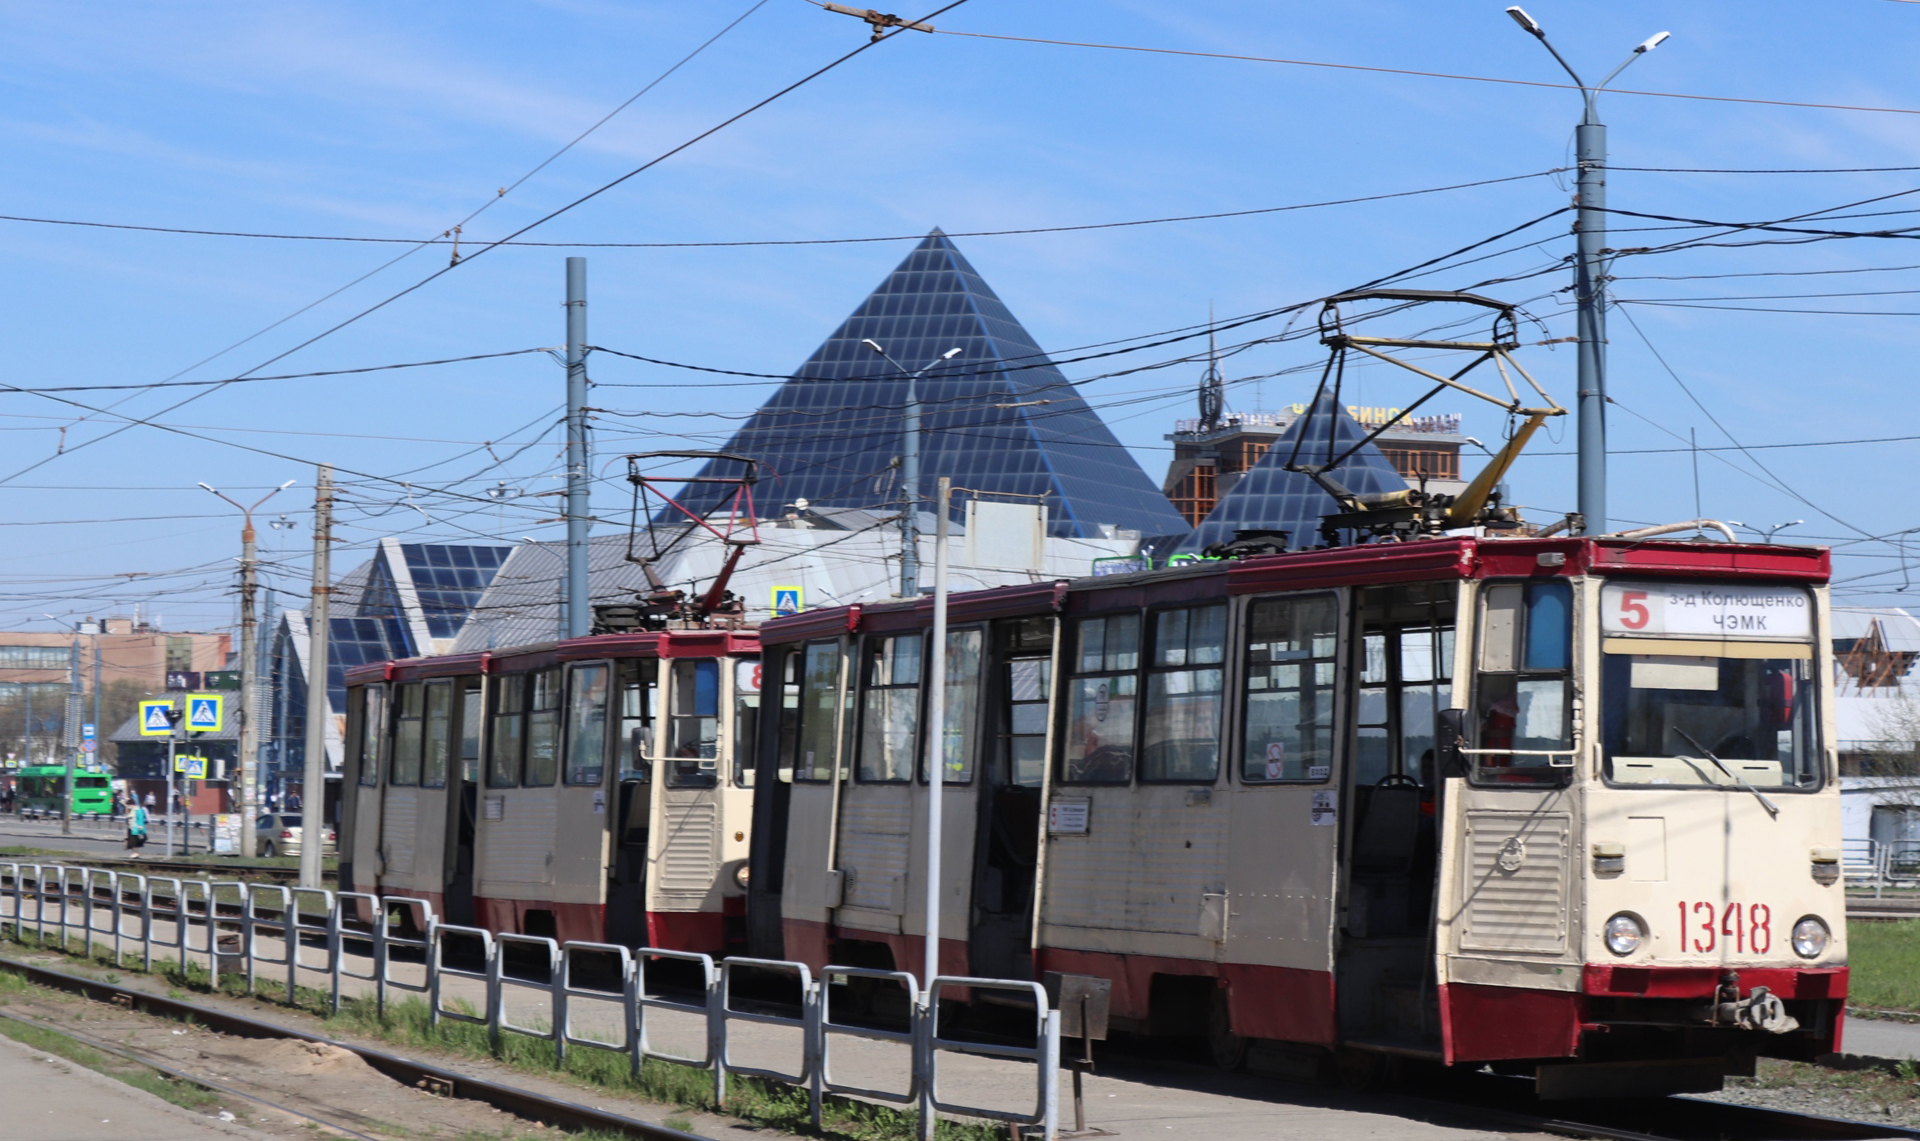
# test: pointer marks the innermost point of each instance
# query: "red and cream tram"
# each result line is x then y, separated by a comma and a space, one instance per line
594, 789
1563, 805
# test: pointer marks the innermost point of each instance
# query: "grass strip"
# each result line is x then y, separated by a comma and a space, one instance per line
187, 1095
1884, 962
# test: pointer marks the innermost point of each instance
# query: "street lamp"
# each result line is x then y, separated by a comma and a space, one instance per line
910, 470
248, 758
1767, 533
1589, 275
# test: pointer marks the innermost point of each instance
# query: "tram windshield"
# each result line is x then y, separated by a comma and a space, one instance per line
1662, 713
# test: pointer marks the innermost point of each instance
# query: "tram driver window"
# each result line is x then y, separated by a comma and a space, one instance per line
1522, 700
1290, 683
694, 729
509, 736
543, 729
890, 719
1181, 741
746, 721
1101, 700
639, 707
587, 725
405, 764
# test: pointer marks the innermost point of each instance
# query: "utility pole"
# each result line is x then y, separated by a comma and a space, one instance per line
910, 470
1589, 277
70, 732
247, 780
313, 784
579, 608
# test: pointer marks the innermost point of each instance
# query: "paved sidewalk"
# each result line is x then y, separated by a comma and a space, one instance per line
1874, 1038
50, 1097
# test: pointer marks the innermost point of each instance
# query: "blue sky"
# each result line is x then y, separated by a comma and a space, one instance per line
395, 121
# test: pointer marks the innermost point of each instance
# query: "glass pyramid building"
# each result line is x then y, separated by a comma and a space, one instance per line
999, 417
1271, 498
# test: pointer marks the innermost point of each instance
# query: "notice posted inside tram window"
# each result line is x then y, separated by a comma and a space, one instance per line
1323, 811
1068, 816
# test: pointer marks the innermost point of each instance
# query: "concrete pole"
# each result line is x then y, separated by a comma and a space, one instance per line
70, 733
313, 785
936, 772
1590, 292
249, 760
579, 607
910, 493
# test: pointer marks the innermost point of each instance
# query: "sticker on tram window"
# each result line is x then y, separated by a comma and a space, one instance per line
1318, 772
599, 802
1323, 812
1740, 928
1277, 761
1710, 609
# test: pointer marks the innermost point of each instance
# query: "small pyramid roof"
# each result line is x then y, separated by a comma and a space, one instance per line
999, 417
1271, 498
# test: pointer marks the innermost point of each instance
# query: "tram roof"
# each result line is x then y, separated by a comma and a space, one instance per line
1366, 565
640, 644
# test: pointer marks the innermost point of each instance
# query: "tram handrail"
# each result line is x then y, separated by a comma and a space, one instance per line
168, 901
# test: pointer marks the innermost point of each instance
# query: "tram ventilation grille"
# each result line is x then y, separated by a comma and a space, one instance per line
1516, 890
690, 860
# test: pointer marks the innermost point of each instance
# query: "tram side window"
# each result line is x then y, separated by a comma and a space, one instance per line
404, 768
471, 712
543, 729
1181, 741
694, 729
509, 731
746, 721
962, 716
373, 720
890, 668
1289, 689
1101, 700
786, 667
433, 758
819, 695
1522, 700
587, 725
639, 698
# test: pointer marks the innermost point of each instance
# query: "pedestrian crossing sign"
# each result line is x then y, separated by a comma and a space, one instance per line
193, 768
204, 712
153, 718
786, 601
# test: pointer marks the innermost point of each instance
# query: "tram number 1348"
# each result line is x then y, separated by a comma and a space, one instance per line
1748, 927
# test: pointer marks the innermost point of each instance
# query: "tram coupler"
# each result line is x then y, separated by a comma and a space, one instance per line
1761, 1010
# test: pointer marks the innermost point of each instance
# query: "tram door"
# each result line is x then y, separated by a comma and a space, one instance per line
1006, 854
636, 697
370, 736
463, 791
1400, 680
685, 836
580, 799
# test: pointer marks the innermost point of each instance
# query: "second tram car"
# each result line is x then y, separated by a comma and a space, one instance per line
594, 789
1568, 806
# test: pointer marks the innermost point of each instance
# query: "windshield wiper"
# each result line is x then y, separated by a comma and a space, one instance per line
1772, 809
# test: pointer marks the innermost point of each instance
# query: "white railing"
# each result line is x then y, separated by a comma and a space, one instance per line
237, 924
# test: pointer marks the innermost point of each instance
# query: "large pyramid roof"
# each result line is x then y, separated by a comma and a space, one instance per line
999, 417
1271, 498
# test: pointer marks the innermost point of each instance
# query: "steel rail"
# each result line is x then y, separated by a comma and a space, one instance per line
408, 1071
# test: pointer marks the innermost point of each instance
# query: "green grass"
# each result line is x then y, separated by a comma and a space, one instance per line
1885, 965
408, 1025
140, 1077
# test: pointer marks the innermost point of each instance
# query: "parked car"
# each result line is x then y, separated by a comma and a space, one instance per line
278, 834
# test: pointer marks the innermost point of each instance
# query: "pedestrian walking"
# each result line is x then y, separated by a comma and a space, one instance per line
149, 800
137, 829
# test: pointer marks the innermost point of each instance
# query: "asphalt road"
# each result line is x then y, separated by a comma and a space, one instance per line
94, 839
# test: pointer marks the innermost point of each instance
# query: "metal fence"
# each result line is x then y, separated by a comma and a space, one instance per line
233, 927
1880, 864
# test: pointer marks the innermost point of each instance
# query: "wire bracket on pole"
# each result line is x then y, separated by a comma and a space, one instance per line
881, 21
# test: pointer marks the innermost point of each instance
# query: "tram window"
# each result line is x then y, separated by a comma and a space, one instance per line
1028, 694
433, 758
373, 718
890, 668
1181, 740
1522, 699
962, 716
785, 665
694, 728
746, 721
819, 693
543, 729
471, 714
639, 698
404, 768
587, 725
1101, 700
1289, 689
509, 731
1756, 714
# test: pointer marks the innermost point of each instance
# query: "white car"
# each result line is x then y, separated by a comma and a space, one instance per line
278, 834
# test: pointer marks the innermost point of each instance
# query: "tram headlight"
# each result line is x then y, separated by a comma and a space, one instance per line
1625, 933
741, 875
1811, 937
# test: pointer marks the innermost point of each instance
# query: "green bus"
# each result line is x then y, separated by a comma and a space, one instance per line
38, 788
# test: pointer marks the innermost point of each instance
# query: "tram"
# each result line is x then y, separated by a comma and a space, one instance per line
1566, 805
595, 789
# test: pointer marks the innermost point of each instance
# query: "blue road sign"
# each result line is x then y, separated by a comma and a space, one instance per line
786, 601
203, 712
86, 731
154, 721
